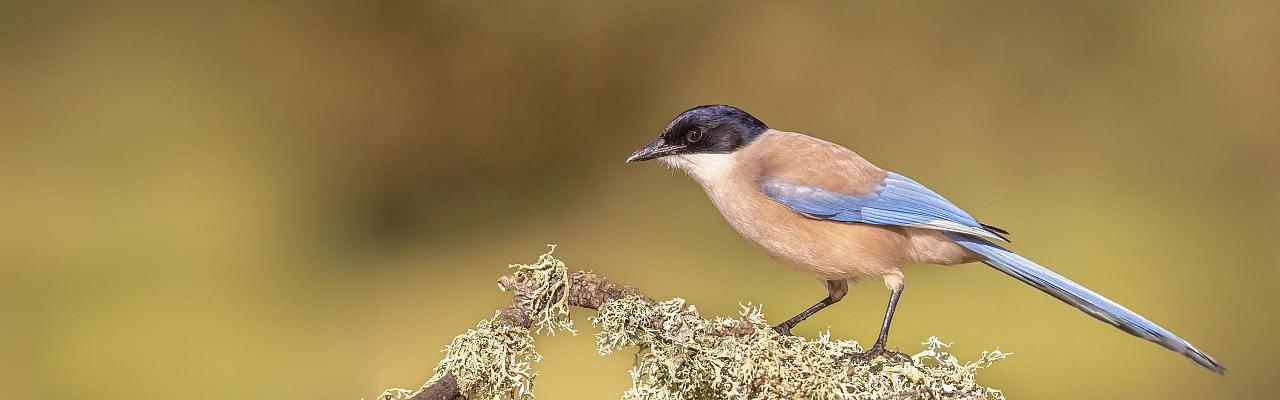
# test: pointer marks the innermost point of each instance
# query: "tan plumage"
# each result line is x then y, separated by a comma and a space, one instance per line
827, 250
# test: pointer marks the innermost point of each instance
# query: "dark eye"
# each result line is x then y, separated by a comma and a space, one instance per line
693, 136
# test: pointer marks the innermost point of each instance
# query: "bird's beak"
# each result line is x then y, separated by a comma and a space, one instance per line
659, 148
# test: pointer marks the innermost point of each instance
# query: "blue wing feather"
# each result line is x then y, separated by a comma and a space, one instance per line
898, 200
901, 201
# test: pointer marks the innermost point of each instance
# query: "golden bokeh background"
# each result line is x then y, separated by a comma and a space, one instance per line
308, 199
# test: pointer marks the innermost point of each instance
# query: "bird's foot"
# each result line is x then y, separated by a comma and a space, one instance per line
878, 350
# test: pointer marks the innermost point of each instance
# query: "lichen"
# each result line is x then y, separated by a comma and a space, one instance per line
491, 361
684, 356
549, 279
692, 358
494, 360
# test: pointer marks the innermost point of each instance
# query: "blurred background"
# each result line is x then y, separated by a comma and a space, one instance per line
309, 199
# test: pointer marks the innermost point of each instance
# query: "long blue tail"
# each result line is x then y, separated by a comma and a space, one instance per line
1082, 298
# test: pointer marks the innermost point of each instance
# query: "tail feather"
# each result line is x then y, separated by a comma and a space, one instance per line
1082, 298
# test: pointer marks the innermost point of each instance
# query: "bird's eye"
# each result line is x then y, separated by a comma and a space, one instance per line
693, 136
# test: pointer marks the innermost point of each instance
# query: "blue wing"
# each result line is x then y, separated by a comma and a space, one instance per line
898, 200
901, 201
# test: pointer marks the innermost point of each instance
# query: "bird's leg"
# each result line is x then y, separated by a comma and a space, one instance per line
784, 328
835, 291
877, 349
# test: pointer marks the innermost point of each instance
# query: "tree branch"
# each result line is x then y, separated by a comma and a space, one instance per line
681, 354
586, 290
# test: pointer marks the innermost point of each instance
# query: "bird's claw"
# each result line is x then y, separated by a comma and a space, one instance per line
879, 351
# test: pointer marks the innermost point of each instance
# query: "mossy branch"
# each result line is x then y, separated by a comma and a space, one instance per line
681, 354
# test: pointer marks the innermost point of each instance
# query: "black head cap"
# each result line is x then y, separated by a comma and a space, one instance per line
704, 129
714, 128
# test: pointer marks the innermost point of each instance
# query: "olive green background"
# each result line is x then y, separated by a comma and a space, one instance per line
294, 200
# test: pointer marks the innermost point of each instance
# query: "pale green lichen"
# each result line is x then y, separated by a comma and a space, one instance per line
491, 361
692, 358
683, 356
550, 280
494, 360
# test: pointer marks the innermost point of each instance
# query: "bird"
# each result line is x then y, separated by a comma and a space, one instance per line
826, 211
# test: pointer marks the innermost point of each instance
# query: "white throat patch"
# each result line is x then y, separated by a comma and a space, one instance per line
704, 168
